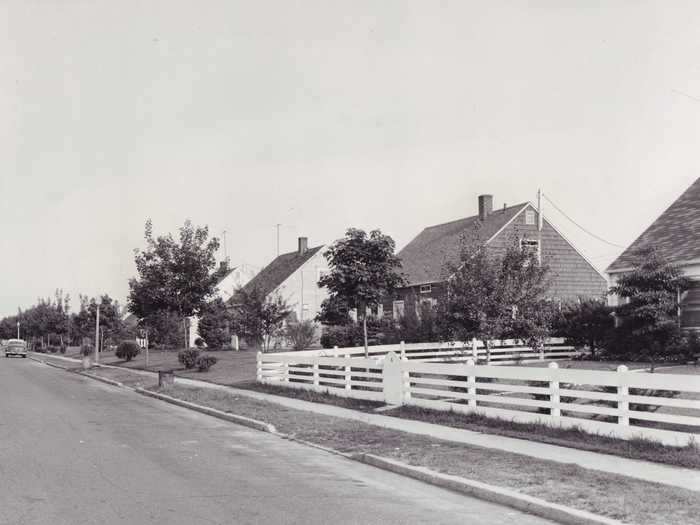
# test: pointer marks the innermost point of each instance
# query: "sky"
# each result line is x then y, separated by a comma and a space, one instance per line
322, 115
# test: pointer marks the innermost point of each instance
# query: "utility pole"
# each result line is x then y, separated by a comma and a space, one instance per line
540, 223
97, 336
225, 250
278, 239
18, 329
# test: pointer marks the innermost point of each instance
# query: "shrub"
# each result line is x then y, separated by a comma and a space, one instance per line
205, 362
588, 323
301, 335
87, 350
188, 357
199, 342
62, 349
52, 349
127, 350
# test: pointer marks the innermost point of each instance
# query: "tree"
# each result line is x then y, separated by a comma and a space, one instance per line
214, 324
363, 270
491, 295
178, 277
259, 317
649, 313
588, 323
111, 324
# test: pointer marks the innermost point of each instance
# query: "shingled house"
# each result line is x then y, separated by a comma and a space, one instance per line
425, 257
294, 277
676, 236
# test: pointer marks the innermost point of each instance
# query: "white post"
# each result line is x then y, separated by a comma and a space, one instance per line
405, 374
97, 336
392, 380
402, 347
554, 390
623, 404
317, 379
259, 370
348, 376
471, 383
285, 373
236, 343
475, 350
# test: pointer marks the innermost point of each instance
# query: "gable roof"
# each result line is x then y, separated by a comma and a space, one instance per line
675, 234
425, 256
275, 273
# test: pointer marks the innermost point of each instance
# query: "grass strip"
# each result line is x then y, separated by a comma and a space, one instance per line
638, 448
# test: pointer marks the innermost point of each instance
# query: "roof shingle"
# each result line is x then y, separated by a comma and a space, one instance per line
279, 270
424, 258
675, 234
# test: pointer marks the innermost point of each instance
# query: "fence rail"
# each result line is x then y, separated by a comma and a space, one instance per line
624, 404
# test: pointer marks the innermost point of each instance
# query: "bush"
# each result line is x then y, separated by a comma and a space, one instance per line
301, 335
588, 324
199, 342
86, 350
188, 357
62, 349
127, 350
205, 362
52, 349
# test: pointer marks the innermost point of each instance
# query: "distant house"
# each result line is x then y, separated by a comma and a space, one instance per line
236, 278
425, 257
676, 236
294, 277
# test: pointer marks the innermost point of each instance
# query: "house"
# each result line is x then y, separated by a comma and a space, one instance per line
425, 257
236, 278
676, 236
294, 277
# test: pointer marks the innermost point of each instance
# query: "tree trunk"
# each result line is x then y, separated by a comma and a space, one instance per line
364, 330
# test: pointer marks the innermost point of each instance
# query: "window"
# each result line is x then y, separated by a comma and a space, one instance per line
426, 288
529, 217
398, 309
531, 246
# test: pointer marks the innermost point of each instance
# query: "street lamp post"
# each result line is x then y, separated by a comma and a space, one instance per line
18, 330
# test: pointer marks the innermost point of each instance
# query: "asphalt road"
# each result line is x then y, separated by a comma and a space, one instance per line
74, 451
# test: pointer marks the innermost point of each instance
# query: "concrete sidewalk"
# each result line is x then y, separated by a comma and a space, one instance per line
648, 471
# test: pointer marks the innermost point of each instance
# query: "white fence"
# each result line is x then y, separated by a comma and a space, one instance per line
624, 404
502, 352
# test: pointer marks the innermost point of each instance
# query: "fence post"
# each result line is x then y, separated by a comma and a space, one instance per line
348, 377
471, 384
259, 368
475, 350
392, 380
541, 351
554, 391
335, 351
317, 381
285, 373
623, 404
405, 374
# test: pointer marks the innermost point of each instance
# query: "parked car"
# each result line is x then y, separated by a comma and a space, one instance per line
16, 347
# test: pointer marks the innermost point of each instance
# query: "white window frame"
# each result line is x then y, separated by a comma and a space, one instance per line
396, 306
426, 288
532, 242
530, 217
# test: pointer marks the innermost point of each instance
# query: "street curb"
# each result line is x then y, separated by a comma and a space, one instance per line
483, 491
232, 418
46, 363
103, 379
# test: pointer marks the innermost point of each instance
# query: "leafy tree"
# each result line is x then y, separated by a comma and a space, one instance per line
649, 313
302, 335
588, 323
258, 317
363, 270
491, 296
334, 311
111, 324
163, 329
175, 276
214, 324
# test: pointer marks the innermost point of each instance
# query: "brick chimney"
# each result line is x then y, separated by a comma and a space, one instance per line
485, 206
303, 245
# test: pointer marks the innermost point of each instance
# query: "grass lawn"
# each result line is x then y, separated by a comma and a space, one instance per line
615, 496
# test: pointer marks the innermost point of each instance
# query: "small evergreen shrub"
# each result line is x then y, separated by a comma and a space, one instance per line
301, 335
205, 362
188, 357
127, 350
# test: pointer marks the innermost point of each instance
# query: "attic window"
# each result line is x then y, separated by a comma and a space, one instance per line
426, 288
529, 217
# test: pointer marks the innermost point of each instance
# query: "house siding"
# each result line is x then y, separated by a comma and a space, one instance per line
411, 296
301, 288
572, 276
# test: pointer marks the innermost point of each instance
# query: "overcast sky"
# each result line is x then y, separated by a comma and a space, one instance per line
321, 115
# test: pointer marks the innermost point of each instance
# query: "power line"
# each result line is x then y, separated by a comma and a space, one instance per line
584, 229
